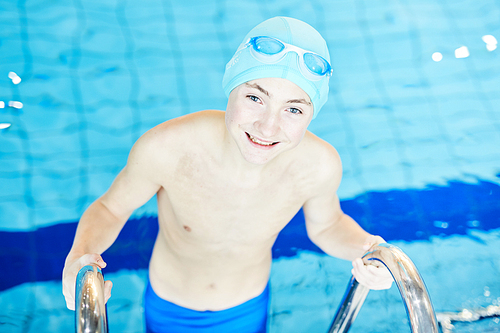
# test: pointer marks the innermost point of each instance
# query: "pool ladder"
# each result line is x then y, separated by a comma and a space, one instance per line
422, 318
90, 314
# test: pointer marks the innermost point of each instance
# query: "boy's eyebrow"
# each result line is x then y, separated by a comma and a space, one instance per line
256, 86
264, 91
303, 101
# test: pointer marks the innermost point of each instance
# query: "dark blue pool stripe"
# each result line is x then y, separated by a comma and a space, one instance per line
39, 255
396, 215
410, 214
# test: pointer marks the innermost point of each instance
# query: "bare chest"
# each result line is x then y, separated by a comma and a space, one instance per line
214, 206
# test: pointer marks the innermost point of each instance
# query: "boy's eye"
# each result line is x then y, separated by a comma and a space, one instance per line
254, 98
294, 110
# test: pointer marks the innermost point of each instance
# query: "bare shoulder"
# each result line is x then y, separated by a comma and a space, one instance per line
164, 143
322, 160
321, 149
179, 133
198, 123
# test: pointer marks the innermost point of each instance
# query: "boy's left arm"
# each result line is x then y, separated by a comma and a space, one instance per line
338, 235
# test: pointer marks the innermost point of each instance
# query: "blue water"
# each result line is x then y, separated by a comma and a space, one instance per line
419, 140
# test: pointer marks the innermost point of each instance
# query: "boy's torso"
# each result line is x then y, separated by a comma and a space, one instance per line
217, 227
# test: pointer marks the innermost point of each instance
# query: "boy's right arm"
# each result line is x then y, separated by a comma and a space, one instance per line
96, 231
101, 223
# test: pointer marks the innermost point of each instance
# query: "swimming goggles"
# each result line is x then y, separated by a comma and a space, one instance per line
270, 50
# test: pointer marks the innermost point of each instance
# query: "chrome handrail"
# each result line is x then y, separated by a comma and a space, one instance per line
353, 299
410, 284
90, 314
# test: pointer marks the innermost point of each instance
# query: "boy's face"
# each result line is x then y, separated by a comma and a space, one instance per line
266, 117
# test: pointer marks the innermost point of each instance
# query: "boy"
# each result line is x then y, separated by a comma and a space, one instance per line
227, 183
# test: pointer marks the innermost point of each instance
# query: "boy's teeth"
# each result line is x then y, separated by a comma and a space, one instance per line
258, 141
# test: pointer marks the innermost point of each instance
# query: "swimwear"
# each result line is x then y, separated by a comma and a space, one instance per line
163, 316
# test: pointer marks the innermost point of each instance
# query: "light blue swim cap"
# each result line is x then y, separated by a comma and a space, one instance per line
243, 67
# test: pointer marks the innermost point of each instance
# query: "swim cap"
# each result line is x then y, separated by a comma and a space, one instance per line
243, 67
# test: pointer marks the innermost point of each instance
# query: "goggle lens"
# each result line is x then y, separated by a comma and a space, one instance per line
316, 64
267, 46
270, 50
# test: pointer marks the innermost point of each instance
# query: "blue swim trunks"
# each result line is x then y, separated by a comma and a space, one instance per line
164, 316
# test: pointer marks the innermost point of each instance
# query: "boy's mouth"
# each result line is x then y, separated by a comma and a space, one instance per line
259, 142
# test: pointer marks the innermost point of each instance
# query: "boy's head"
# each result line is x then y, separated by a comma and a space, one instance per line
287, 48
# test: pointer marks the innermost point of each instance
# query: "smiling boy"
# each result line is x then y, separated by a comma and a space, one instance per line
227, 183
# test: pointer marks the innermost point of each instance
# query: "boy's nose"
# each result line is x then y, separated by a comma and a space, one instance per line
268, 125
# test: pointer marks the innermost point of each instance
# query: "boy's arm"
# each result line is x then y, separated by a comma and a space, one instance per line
103, 220
336, 233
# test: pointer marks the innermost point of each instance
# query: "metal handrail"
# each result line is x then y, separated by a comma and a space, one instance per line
410, 284
90, 314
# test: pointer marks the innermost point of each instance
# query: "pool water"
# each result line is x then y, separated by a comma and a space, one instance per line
306, 291
419, 138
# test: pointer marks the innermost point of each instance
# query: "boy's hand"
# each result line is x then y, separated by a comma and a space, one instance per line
71, 269
372, 276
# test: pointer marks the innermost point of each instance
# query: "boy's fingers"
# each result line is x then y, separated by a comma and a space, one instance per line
373, 277
107, 290
70, 304
93, 258
70, 273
